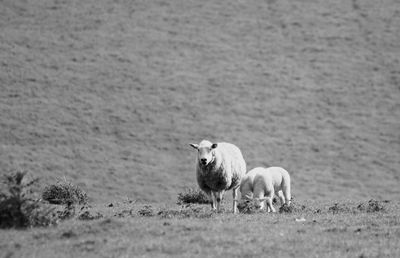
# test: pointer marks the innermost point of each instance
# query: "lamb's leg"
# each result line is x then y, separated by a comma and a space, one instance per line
234, 196
269, 204
281, 197
262, 205
287, 195
286, 190
270, 197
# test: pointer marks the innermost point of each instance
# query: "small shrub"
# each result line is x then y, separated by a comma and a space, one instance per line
146, 211
248, 206
336, 208
124, 213
286, 208
67, 212
18, 209
294, 207
191, 195
87, 215
64, 192
371, 206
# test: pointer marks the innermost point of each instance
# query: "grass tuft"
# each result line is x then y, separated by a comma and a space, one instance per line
146, 211
192, 195
189, 211
64, 192
87, 215
339, 208
248, 206
294, 207
371, 206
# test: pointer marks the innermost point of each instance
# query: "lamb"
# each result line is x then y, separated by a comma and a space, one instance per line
219, 168
261, 184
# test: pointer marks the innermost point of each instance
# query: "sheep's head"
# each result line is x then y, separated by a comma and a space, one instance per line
206, 152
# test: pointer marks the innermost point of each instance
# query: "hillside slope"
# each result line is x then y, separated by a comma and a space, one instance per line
110, 93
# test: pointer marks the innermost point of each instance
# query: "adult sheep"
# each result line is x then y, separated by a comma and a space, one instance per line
261, 184
219, 168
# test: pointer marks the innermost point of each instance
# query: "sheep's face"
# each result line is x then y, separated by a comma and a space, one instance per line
205, 152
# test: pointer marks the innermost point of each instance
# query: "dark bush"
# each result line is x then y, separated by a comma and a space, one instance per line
339, 208
371, 206
294, 207
146, 211
18, 209
248, 206
87, 215
64, 192
191, 195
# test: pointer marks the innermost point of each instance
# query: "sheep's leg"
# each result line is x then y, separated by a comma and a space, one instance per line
234, 196
213, 201
218, 196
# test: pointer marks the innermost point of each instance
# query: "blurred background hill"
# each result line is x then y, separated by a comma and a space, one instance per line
109, 93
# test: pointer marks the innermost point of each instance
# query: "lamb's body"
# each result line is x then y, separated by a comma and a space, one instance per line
263, 183
223, 171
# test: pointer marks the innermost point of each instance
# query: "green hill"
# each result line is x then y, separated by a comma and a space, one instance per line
110, 93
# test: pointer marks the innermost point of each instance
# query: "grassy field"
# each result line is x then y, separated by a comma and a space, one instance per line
152, 230
109, 93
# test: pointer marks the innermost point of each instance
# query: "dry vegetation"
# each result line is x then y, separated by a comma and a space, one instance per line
130, 229
18, 207
64, 192
109, 93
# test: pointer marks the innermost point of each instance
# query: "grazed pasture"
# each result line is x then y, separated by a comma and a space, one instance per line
130, 229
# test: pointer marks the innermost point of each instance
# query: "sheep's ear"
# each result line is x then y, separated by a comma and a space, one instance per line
215, 145
262, 199
196, 146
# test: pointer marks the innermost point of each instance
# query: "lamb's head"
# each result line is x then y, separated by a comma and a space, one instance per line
260, 202
257, 203
205, 152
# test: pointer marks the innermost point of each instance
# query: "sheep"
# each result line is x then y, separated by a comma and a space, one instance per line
219, 168
261, 184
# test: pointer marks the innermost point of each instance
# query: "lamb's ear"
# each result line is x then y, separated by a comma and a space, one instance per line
262, 199
248, 197
215, 145
196, 146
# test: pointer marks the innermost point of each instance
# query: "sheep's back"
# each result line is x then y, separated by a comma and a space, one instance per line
247, 183
232, 156
278, 175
